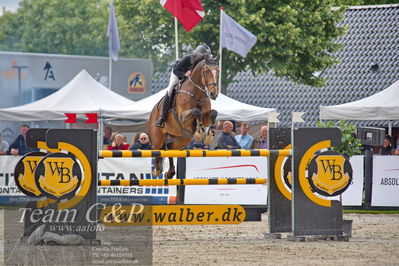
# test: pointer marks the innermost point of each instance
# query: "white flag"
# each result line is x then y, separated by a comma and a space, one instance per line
235, 37
113, 35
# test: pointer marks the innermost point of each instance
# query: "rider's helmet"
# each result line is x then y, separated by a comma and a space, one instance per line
202, 49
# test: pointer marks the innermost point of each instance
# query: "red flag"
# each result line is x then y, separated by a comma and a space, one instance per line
91, 118
71, 118
188, 12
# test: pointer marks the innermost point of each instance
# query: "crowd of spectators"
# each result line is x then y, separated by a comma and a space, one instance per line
228, 139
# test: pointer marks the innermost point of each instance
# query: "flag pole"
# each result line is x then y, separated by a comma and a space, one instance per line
220, 49
110, 73
111, 2
177, 39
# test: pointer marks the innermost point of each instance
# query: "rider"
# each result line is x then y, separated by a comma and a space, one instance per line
181, 69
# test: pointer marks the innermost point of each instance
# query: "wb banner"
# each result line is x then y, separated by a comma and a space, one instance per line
19, 193
139, 168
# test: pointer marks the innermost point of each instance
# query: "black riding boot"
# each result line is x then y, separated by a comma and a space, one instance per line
165, 106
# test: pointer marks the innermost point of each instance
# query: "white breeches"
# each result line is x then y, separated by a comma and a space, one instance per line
172, 83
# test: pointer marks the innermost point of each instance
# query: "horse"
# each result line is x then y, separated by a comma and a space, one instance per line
190, 114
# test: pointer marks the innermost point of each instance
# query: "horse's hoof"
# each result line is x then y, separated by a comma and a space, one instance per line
208, 139
156, 172
198, 136
169, 175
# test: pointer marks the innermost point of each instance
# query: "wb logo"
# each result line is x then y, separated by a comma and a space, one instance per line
24, 173
330, 173
58, 175
330, 165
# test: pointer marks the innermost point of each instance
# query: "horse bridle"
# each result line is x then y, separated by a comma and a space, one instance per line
204, 90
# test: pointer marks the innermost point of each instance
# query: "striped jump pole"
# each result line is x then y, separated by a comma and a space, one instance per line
182, 182
191, 153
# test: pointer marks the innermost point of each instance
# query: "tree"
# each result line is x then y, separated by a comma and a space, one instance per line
295, 38
60, 27
350, 145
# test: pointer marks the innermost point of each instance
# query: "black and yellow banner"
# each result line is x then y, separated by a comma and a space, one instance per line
172, 215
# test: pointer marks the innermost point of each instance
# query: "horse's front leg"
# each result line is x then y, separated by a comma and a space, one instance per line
171, 172
199, 131
211, 129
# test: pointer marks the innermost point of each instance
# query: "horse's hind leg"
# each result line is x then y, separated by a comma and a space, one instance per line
157, 167
171, 172
211, 129
199, 132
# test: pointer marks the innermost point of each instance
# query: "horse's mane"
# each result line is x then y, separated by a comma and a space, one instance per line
212, 61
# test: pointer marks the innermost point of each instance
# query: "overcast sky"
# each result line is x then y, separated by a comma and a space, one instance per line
10, 5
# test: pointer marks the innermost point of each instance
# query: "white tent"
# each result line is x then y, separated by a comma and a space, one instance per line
228, 109
83, 94
383, 105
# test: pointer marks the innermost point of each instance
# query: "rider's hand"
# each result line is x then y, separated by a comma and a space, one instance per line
188, 73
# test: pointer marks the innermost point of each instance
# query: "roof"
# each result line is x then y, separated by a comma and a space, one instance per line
368, 64
83, 94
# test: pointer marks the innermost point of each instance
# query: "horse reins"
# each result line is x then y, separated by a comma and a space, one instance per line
205, 91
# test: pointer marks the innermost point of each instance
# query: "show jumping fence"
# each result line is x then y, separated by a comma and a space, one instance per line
183, 182
192, 153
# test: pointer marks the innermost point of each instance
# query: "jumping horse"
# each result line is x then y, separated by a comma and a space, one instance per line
190, 114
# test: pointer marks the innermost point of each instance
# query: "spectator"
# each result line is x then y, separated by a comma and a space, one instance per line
19, 147
396, 151
3, 146
262, 142
387, 147
226, 139
118, 143
107, 137
245, 140
143, 143
197, 145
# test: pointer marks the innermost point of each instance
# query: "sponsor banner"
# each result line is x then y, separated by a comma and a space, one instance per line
385, 189
130, 168
226, 167
7, 182
108, 169
137, 214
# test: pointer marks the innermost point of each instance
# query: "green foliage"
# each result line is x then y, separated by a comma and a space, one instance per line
350, 145
57, 26
295, 38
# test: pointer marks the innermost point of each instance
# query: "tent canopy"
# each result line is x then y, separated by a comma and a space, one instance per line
383, 105
228, 109
83, 94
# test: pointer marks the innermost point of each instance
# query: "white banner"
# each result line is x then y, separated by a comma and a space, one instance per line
233, 167
133, 168
7, 182
354, 194
385, 189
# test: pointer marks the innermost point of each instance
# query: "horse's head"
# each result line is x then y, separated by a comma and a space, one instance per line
210, 71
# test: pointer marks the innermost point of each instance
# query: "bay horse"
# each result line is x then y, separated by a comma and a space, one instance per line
190, 114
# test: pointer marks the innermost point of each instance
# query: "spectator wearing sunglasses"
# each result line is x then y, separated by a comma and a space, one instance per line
143, 143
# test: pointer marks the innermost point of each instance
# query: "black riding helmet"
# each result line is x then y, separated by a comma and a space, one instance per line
202, 49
